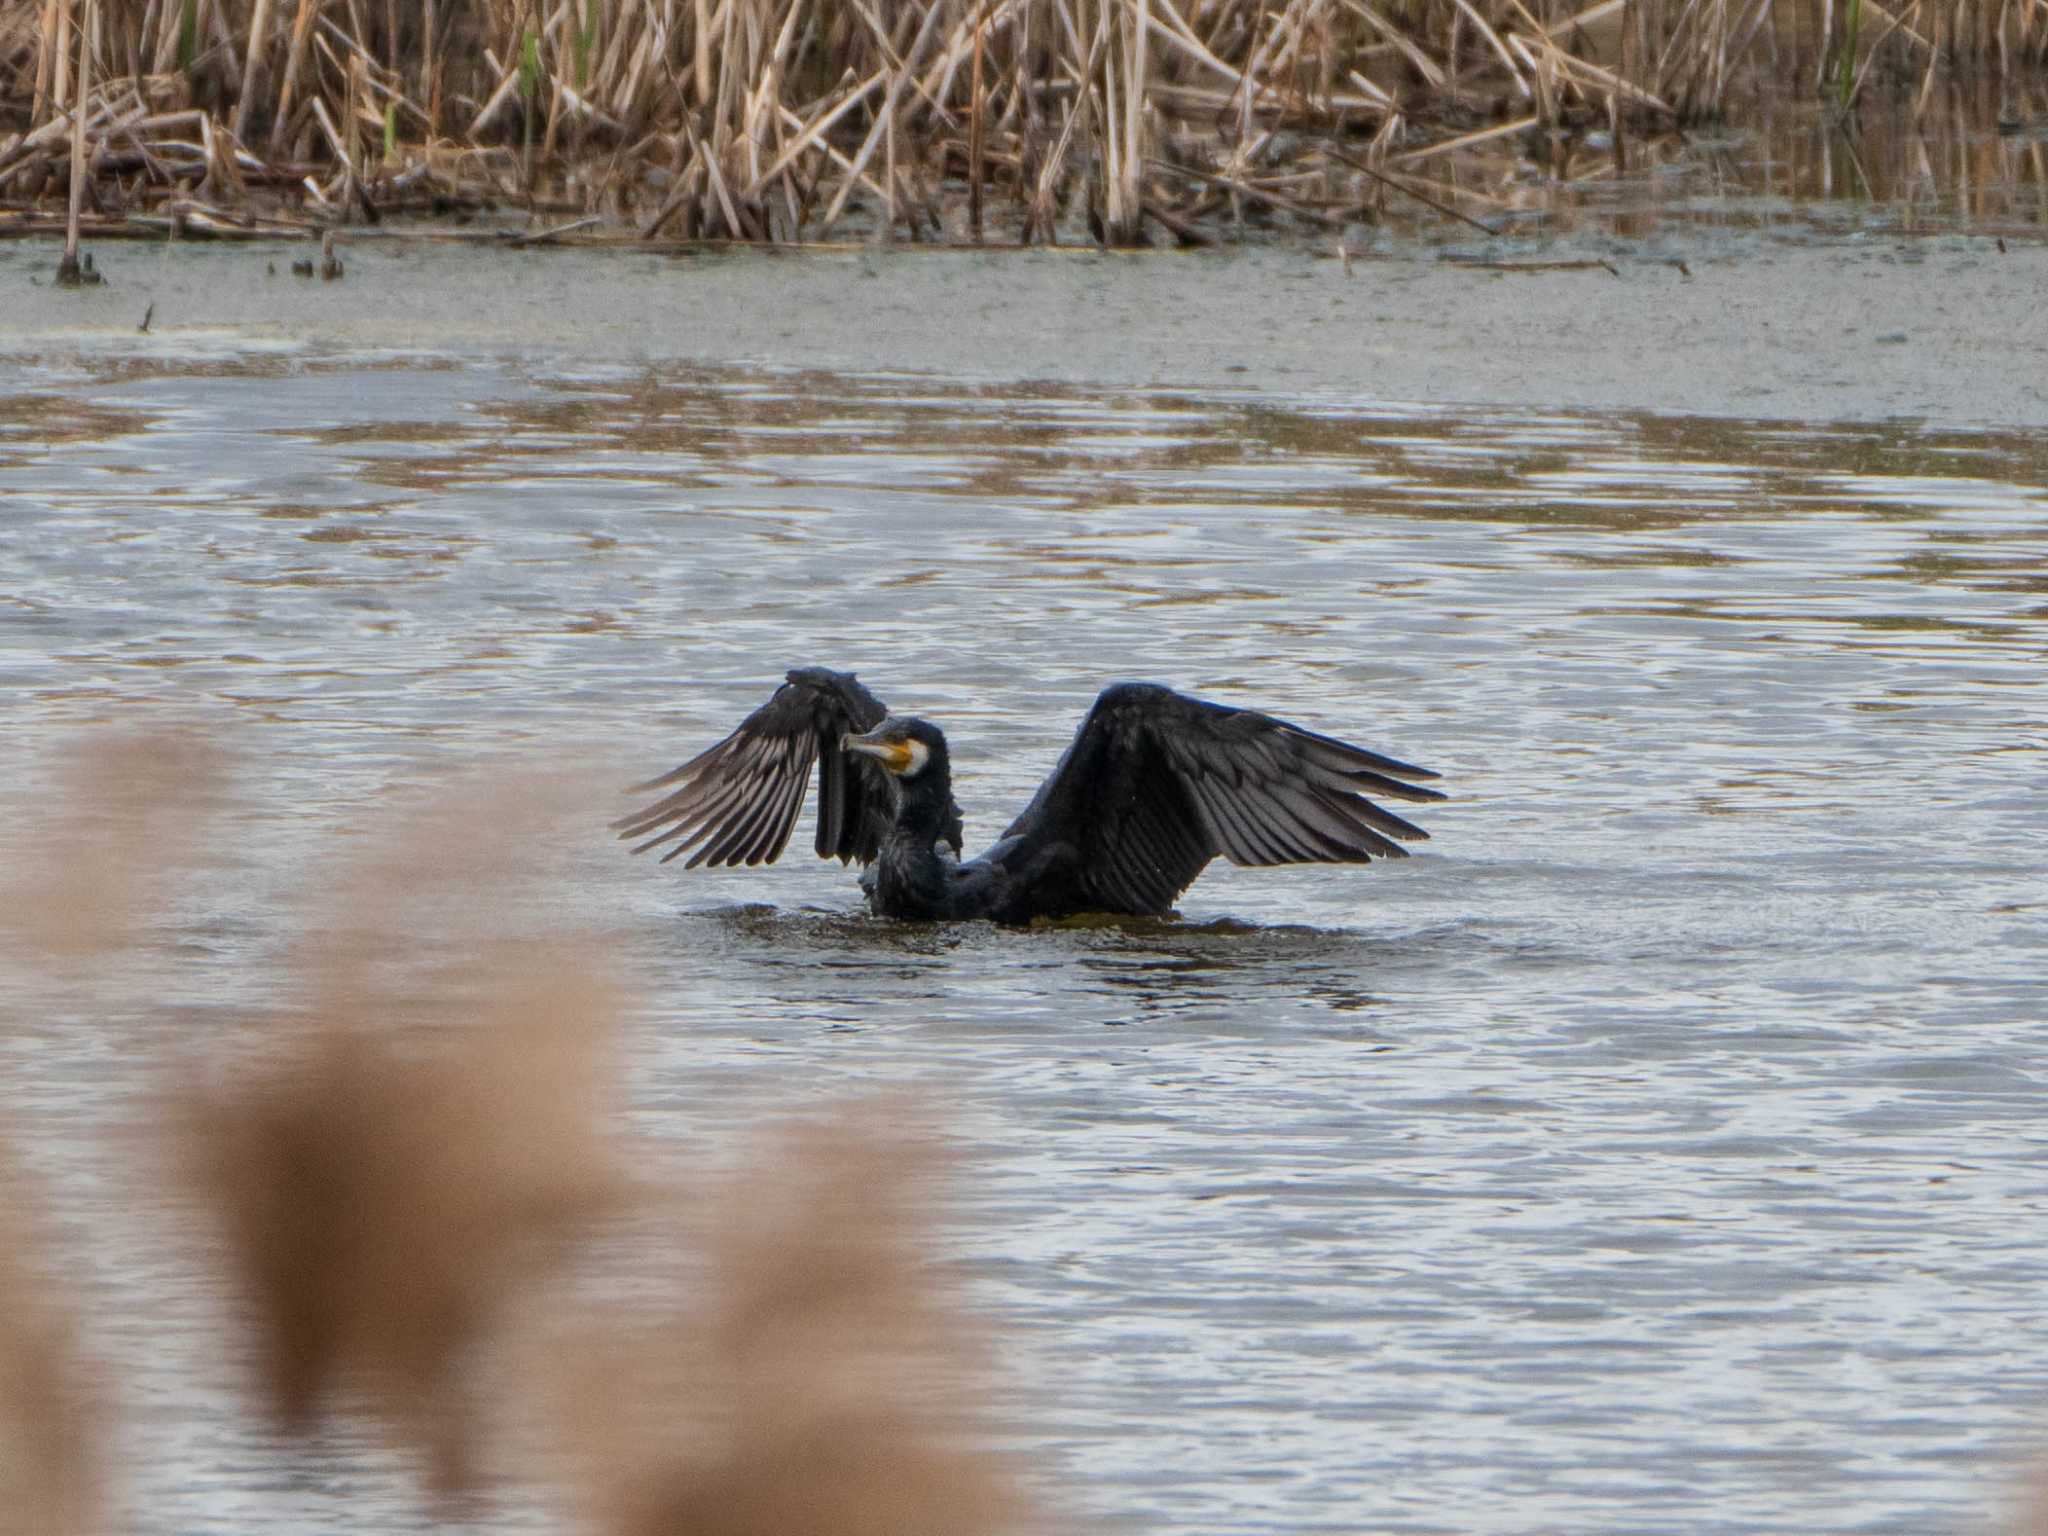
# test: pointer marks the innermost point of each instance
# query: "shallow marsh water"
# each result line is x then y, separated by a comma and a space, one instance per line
1661, 1150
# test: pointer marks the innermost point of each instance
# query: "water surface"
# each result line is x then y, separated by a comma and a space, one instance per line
1660, 1150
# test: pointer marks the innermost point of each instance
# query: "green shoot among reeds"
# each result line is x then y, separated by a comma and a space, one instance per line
1845, 56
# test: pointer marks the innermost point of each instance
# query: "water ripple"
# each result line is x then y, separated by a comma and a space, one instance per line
1659, 1151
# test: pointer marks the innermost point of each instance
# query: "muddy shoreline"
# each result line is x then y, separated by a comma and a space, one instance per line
1946, 329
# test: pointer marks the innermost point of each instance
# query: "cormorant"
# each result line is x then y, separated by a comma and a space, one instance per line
1154, 786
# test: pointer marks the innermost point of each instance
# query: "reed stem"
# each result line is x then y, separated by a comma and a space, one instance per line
69, 272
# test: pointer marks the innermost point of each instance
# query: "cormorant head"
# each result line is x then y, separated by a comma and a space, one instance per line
907, 748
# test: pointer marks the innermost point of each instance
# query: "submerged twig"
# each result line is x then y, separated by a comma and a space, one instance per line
1399, 186
1534, 266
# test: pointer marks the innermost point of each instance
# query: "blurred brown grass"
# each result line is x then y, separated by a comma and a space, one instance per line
385, 1196
89, 861
51, 1417
84, 872
402, 1164
827, 1382
419, 1129
424, 1127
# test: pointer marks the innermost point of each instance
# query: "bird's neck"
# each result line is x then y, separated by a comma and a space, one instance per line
922, 804
910, 878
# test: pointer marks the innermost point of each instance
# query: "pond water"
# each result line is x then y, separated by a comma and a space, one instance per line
1661, 1149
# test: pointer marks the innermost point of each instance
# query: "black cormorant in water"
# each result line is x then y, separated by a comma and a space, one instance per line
1155, 785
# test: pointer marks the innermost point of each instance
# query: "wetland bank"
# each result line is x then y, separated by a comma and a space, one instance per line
1746, 324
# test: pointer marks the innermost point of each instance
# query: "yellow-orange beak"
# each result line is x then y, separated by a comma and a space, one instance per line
893, 755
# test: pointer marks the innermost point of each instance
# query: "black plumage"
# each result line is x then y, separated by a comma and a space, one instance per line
739, 800
1154, 786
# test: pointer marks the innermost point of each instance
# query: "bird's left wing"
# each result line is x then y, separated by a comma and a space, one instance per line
1156, 784
736, 803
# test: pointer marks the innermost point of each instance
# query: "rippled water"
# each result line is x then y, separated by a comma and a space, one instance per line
1662, 1150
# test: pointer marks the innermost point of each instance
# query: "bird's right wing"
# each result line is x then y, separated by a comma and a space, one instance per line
1156, 784
737, 802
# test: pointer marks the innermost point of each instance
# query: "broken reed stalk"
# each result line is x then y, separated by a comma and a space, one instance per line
1407, 191
1124, 216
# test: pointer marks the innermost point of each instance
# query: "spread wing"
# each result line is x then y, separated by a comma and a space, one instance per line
736, 803
1157, 784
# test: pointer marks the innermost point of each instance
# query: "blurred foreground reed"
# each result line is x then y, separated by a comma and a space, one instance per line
406, 1165
948, 120
51, 1418
820, 1385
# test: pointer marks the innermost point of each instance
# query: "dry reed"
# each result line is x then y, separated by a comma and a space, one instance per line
415, 1142
413, 1135
823, 1386
781, 120
383, 1201
81, 878
50, 1418
87, 870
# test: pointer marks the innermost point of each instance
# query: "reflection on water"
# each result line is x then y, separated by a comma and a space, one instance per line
1911, 154
1659, 1150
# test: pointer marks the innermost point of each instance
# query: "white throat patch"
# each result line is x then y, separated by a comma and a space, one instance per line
919, 755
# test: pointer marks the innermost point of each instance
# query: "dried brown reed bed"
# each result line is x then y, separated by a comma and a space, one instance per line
949, 120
